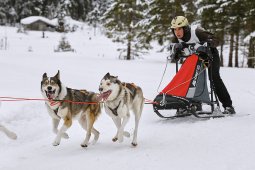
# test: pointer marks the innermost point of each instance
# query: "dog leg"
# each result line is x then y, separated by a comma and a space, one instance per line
8, 133
117, 122
55, 123
83, 124
134, 142
66, 125
96, 135
137, 113
89, 121
121, 129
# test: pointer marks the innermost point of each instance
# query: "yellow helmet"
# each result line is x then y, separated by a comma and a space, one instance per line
179, 21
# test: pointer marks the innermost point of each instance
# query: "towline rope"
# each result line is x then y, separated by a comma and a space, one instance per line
17, 99
14, 99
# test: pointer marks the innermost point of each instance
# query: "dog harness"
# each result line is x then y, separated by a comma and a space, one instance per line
114, 111
132, 88
52, 103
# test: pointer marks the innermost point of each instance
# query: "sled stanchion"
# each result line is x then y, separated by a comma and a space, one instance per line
212, 87
176, 63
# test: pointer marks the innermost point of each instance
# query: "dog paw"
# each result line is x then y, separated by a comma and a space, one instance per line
134, 144
12, 135
114, 139
84, 145
55, 143
126, 134
65, 136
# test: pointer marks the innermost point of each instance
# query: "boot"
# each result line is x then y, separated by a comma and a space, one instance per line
229, 110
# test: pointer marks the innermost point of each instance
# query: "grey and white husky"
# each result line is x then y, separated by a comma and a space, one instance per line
119, 99
86, 113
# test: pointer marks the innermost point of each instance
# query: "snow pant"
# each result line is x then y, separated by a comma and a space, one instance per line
219, 87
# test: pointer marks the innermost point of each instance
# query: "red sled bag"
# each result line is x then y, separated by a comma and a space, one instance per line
188, 86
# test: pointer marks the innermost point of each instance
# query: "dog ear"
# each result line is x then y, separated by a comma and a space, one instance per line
107, 75
115, 79
45, 76
57, 75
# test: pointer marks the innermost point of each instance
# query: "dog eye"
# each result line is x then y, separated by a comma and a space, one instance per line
108, 84
52, 82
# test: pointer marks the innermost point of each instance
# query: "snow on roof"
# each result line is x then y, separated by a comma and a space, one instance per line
33, 19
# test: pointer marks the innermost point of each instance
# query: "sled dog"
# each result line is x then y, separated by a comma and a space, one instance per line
65, 108
119, 98
7, 132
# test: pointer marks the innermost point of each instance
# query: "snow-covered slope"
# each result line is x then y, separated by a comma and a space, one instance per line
188, 143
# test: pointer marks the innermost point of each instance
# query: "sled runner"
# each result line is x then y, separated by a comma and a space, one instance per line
188, 90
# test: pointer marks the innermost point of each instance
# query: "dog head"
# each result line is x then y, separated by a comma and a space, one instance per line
109, 87
51, 86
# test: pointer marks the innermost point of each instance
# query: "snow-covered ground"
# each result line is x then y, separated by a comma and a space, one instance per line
188, 143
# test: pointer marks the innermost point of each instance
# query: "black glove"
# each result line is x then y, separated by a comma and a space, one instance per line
178, 48
184, 45
202, 52
201, 49
176, 56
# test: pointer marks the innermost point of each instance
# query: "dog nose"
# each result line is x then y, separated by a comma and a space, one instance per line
100, 89
49, 88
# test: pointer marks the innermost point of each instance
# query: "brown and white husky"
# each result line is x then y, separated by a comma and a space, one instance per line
54, 90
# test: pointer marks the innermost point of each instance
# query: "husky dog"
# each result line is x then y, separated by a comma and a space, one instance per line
119, 98
52, 89
8, 133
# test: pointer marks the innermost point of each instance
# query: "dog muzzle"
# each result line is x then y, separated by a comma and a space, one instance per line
104, 96
50, 94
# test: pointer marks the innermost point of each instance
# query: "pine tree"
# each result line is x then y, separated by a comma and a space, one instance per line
2, 11
158, 19
79, 9
99, 7
249, 28
215, 18
237, 15
189, 8
121, 23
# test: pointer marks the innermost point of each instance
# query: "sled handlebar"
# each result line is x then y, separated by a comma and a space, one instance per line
183, 50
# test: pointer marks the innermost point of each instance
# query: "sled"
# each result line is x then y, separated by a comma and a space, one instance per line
188, 89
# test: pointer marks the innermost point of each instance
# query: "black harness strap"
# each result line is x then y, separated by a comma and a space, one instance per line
56, 111
114, 111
